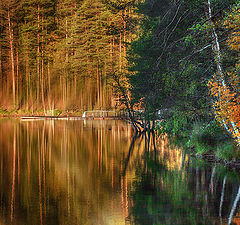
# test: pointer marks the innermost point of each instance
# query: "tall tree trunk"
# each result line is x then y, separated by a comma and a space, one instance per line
17, 76
98, 85
10, 29
38, 52
75, 85
49, 85
1, 69
27, 79
111, 54
120, 53
43, 100
66, 64
124, 35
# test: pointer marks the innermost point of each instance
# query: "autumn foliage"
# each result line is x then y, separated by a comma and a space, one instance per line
226, 106
225, 90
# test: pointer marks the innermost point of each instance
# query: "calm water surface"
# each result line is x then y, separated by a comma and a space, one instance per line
97, 172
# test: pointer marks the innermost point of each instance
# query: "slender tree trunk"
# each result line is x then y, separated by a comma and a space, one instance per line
43, 100
38, 52
75, 85
27, 79
10, 29
98, 85
124, 35
66, 64
49, 85
1, 72
111, 54
120, 52
17, 76
1, 69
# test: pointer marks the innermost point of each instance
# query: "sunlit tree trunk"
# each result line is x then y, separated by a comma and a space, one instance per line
98, 85
1, 69
120, 52
27, 78
43, 100
17, 75
75, 84
38, 52
49, 85
10, 30
111, 54
124, 34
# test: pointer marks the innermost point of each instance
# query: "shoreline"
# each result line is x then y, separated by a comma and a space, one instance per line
212, 159
63, 117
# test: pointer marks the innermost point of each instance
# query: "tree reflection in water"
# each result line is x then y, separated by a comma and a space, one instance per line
172, 188
62, 172
98, 172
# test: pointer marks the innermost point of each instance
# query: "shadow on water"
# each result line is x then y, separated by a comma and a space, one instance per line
98, 172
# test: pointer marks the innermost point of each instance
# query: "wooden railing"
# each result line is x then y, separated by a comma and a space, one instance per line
104, 114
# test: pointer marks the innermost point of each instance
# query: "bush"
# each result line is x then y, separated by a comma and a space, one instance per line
227, 151
205, 137
177, 124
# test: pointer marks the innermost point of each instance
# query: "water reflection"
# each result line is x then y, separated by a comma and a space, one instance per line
172, 188
98, 172
63, 172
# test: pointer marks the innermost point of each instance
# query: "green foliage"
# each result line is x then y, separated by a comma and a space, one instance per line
164, 75
175, 125
205, 136
228, 151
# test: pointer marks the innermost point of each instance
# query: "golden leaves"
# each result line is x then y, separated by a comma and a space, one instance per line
226, 104
232, 24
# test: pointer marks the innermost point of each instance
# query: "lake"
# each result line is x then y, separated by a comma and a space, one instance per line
98, 172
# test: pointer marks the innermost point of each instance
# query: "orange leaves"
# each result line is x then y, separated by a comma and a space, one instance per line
234, 41
232, 24
226, 105
225, 87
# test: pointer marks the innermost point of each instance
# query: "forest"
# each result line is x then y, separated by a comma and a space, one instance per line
59, 54
173, 60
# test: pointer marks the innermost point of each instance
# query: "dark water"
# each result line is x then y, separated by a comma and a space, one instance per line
97, 172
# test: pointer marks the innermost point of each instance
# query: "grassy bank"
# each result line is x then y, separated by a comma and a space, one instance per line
205, 140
